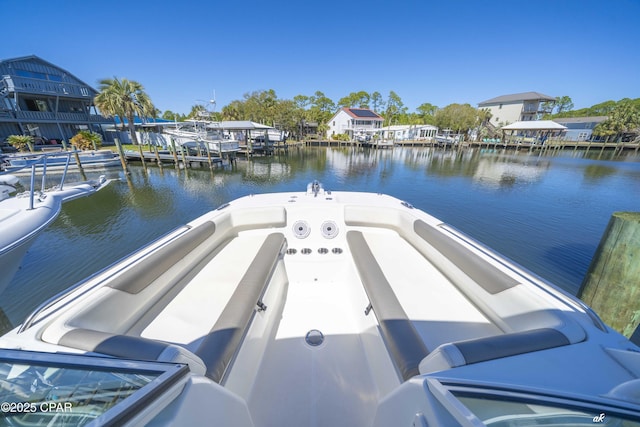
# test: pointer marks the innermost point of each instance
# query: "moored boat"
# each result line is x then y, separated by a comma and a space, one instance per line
60, 160
25, 214
197, 135
319, 308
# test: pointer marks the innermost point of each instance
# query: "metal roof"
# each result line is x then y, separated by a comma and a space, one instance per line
242, 125
592, 119
525, 96
534, 125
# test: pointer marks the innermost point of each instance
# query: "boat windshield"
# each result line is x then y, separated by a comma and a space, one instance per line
76, 390
515, 413
481, 404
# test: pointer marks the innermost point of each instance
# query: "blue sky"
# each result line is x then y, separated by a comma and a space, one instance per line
439, 52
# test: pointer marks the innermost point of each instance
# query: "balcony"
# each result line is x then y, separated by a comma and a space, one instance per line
49, 117
46, 87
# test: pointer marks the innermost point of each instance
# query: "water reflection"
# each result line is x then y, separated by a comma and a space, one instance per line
509, 171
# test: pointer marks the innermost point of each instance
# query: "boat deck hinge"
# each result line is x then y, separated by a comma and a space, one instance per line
368, 309
261, 306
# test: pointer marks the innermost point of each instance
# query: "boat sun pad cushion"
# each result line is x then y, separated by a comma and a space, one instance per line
219, 346
403, 341
488, 277
131, 347
150, 268
467, 352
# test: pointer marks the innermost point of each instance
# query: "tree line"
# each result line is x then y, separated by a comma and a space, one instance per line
623, 116
126, 98
265, 107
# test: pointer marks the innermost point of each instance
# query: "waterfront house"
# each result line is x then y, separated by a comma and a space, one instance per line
355, 122
43, 100
408, 132
517, 107
581, 128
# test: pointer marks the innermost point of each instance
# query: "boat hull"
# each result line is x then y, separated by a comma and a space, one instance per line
323, 308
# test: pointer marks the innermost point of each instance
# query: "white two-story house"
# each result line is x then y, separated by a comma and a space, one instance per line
518, 107
355, 122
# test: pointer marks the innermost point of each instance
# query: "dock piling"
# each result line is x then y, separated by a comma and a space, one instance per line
611, 286
123, 159
144, 164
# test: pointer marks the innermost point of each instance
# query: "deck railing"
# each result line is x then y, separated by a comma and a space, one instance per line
48, 116
33, 161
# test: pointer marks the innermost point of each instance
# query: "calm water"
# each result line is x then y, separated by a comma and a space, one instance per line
547, 213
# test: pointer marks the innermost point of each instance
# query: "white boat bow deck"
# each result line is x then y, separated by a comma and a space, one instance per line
324, 308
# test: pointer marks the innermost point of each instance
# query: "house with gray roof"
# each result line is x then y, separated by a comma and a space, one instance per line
581, 128
43, 100
517, 107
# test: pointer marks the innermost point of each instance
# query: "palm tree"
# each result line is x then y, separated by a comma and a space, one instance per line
126, 99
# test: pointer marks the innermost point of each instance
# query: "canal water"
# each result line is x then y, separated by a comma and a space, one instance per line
547, 213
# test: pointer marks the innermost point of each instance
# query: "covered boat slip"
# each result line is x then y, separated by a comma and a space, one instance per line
310, 308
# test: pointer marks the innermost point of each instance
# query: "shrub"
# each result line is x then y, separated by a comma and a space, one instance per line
85, 140
21, 142
340, 137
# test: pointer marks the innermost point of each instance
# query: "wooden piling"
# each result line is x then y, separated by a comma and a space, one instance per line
206, 146
184, 158
123, 159
173, 150
611, 286
155, 148
78, 163
144, 164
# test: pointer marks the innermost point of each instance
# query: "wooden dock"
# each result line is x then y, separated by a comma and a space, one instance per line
168, 157
550, 145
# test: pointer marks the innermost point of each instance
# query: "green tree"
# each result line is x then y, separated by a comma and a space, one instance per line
625, 117
126, 99
233, 111
602, 109
302, 101
321, 103
176, 117
377, 103
459, 118
395, 107
563, 103
355, 100
426, 113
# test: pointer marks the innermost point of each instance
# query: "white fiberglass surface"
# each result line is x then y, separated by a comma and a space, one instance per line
440, 312
194, 311
327, 384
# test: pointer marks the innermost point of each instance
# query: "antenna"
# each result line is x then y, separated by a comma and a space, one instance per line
209, 106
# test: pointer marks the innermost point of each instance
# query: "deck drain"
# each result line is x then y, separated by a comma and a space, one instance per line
291, 251
314, 338
323, 251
